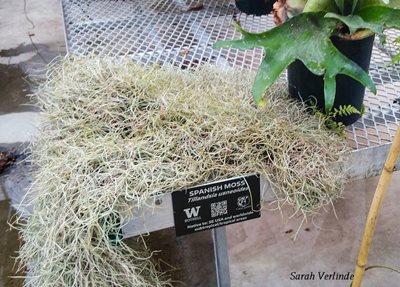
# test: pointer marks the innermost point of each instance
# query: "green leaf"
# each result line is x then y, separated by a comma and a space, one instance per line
355, 22
346, 7
305, 37
340, 5
387, 3
329, 92
380, 15
396, 58
354, 6
346, 110
268, 72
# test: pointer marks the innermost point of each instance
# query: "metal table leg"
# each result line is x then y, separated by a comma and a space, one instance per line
221, 257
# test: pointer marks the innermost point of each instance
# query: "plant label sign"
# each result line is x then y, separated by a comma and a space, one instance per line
216, 204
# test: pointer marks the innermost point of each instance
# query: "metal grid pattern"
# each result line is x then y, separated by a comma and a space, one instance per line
181, 33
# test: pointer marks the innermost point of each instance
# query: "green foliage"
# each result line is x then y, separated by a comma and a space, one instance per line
340, 5
346, 6
354, 6
355, 23
362, 110
306, 37
329, 119
387, 3
337, 127
379, 15
344, 111
397, 57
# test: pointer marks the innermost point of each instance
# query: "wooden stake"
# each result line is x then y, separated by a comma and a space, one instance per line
374, 210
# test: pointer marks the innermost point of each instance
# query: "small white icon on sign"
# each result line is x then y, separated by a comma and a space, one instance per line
193, 211
243, 201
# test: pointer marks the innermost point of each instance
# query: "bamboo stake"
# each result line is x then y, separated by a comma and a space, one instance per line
374, 210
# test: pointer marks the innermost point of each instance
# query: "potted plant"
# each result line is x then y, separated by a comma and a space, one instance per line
255, 7
326, 46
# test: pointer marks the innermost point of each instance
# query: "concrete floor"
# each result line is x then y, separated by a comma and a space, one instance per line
262, 252
31, 35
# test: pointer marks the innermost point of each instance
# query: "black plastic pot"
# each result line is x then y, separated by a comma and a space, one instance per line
255, 7
307, 87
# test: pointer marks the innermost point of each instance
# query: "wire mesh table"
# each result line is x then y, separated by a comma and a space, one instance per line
181, 33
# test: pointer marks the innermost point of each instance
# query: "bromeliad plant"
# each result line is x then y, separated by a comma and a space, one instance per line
305, 32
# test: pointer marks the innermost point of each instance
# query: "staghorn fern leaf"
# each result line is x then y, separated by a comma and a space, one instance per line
305, 37
387, 3
380, 15
355, 22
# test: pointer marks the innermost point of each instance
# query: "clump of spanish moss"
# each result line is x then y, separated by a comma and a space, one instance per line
114, 134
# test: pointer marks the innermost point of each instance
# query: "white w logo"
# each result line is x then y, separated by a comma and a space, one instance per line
193, 211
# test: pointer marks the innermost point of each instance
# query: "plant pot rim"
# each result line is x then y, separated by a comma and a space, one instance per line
348, 38
357, 36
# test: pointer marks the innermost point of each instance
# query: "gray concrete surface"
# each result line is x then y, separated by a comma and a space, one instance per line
31, 35
263, 252
18, 127
42, 20
2, 194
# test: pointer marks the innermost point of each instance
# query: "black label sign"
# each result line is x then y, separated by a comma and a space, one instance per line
216, 204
